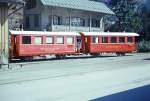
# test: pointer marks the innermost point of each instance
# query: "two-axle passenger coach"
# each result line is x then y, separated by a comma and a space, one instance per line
109, 42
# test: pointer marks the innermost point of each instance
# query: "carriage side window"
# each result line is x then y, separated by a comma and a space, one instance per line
121, 39
70, 40
113, 40
104, 39
26, 39
60, 40
95, 39
49, 40
38, 40
130, 40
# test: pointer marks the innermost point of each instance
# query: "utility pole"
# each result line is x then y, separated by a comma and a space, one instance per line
4, 33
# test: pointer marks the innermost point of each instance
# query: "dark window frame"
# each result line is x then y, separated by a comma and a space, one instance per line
26, 40
104, 39
94, 39
95, 23
130, 39
113, 40
57, 20
121, 39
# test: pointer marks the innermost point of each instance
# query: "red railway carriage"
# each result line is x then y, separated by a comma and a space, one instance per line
38, 43
110, 42
26, 44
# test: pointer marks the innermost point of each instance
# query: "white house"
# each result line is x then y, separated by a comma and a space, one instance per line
65, 15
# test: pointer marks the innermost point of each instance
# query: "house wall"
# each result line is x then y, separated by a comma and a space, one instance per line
30, 13
64, 13
45, 18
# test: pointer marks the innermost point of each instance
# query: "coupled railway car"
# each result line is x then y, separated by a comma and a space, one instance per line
109, 42
27, 44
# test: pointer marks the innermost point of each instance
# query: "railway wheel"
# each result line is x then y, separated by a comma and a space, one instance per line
95, 54
63, 56
123, 54
22, 58
120, 54
60, 56
29, 58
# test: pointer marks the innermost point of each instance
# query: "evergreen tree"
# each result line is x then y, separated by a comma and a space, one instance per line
128, 17
131, 16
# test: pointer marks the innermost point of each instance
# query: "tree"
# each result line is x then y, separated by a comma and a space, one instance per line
128, 18
145, 15
131, 16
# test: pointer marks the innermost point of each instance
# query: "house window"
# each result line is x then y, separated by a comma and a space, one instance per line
49, 40
26, 39
27, 21
82, 22
38, 40
36, 21
95, 39
70, 40
130, 40
31, 4
77, 21
67, 21
57, 20
63, 22
104, 39
95, 23
60, 40
113, 40
122, 39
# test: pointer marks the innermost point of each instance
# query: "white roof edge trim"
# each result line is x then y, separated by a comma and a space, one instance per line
43, 33
109, 34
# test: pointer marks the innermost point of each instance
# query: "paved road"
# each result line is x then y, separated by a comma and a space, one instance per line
79, 79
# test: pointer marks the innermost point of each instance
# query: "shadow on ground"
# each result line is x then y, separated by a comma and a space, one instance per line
146, 59
138, 94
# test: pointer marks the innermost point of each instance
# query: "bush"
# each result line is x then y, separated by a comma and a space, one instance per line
144, 46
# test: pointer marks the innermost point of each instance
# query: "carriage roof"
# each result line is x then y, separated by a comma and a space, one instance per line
43, 33
73, 33
109, 34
